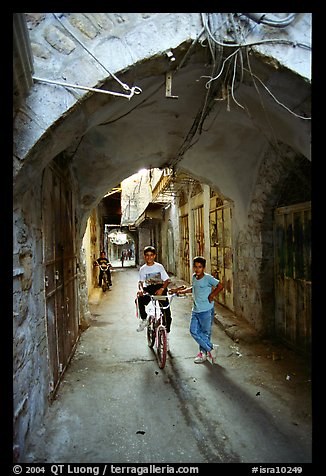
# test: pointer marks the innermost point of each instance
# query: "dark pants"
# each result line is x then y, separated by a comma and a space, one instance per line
144, 300
100, 277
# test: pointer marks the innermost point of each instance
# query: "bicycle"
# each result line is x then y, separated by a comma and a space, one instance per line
156, 329
105, 285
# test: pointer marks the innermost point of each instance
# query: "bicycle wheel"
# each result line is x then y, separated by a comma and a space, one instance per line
161, 346
104, 283
151, 332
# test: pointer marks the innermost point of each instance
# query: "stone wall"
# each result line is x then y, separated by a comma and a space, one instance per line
30, 366
254, 245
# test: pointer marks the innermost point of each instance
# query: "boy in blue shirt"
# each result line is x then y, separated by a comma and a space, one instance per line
204, 288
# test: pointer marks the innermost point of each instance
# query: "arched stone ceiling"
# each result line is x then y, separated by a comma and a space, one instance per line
107, 139
150, 131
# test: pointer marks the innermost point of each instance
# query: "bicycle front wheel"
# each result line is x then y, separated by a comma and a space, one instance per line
151, 332
161, 346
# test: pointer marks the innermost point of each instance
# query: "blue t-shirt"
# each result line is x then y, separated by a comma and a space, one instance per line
201, 289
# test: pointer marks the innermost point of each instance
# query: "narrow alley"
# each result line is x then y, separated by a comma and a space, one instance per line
115, 405
191, 133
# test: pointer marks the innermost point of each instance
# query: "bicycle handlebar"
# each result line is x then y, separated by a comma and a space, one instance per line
155, 297
104, 267
161, 297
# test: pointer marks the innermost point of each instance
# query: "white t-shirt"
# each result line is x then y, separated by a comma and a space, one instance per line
154, 274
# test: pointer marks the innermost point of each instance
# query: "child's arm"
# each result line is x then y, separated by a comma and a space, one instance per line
140, 288
215, 292
181, 290
165, 284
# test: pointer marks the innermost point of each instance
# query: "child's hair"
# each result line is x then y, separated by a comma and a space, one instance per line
199, 259
149, 249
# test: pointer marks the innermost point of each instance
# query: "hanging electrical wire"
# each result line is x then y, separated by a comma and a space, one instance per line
225, 79
276, 100
274, 142
233, 80
204, 109
235, 53
233, 44
276, 23
133, 90
221, 70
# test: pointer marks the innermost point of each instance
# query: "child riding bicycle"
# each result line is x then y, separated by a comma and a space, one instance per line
153, 279
102, 260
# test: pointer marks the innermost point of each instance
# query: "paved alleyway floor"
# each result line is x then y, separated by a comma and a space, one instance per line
115, 405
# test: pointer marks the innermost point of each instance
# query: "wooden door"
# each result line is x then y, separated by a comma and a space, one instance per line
222, 251
185, 259
199, 240
292, 245
60, 271
170, 249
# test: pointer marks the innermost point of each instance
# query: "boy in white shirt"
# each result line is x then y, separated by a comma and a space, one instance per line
153, 279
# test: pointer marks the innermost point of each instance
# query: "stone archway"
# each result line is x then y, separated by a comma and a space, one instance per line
116, 246
103, 140
100, 133
284, 178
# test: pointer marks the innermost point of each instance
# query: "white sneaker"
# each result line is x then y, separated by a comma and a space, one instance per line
143, 323
212, 355
200, 358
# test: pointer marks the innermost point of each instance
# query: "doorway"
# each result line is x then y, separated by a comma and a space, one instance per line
220, 220
60, 271
292, 241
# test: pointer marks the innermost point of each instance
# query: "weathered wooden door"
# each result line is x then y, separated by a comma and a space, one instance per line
199, 240
220, 219
170, 249
184, 249
60, 271
292, 239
